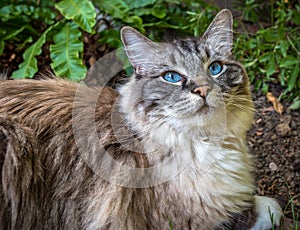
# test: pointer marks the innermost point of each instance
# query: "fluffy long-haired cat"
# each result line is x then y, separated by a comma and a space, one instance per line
168, 150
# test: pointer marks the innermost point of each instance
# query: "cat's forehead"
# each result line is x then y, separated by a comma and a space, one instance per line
193, 46
190, 56
199, 48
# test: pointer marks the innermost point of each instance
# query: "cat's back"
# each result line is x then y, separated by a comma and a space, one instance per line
30, 88
27, 98
49, 100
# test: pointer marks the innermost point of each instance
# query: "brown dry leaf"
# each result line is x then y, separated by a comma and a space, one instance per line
276, 104
258, 121
92, 60
259, 133
268, 109
12, 57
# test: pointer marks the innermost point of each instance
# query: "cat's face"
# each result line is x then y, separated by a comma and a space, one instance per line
188, 79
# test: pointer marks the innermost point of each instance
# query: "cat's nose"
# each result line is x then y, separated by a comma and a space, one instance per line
202, 90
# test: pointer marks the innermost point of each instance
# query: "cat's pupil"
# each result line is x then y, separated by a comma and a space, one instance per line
172, 77
215, 68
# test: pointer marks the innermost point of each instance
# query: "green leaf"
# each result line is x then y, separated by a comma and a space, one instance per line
159, 12
295, 105
28, 67
116, 8
265, 87
265, 57
253, 44
281, 32
296, 18
81, 11
271, 67
258, 84
120, 53
138, 22
111, 37
120, 10
11, 11
2, 45
284, 45
26, 13
251, 63
134, 4
142, 12
24, 43
288, 61
293, 78
65, 53
270, 35
163, 24
282, 77
8, 33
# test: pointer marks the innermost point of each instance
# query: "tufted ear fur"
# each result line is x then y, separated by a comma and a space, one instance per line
219, 35
141, 51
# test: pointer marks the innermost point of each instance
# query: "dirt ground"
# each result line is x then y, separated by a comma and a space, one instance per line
274, 141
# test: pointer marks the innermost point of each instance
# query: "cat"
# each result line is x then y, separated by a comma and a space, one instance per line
167, 150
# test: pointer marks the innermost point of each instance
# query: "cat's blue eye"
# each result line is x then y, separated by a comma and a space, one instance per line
172, 77
215, 68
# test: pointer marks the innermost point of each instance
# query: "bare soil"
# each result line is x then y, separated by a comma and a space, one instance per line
274, 141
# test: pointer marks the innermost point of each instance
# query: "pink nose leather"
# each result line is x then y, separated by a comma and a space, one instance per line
202, 90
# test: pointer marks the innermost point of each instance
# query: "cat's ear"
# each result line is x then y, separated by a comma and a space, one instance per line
219, 34
140, 50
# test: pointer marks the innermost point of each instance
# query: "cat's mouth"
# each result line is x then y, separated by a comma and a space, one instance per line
205, 109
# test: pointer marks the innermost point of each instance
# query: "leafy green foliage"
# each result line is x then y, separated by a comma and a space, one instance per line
65, 53
157, 17
29, 66
18, 19
8, 33
272, 54
118, 9
81, 12
23, 23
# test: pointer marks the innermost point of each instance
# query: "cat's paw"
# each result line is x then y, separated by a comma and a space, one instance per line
268, 212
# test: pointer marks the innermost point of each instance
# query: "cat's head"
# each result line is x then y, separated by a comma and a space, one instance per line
187, 82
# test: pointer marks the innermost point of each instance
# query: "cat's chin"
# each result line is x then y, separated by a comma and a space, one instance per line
206, 117
205, 110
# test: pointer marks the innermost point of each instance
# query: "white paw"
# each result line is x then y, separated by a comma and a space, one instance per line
265, 208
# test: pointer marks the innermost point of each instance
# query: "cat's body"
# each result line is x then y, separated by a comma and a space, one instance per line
58, 184
51, 158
